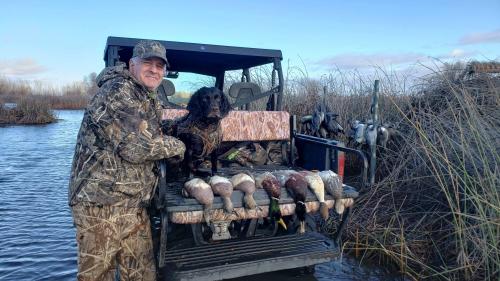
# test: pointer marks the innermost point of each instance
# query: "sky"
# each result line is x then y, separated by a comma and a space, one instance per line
60, 42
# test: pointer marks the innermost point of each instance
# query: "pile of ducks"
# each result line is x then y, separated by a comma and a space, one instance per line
295, 182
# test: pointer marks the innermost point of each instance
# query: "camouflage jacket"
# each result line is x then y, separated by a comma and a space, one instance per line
118, 143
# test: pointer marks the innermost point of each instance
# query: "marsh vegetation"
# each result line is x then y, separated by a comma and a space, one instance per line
434, 212
27, 102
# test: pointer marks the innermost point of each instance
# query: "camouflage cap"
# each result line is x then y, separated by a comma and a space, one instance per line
149, 48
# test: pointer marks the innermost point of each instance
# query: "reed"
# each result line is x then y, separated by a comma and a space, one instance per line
434, 212
36, 100
27, 111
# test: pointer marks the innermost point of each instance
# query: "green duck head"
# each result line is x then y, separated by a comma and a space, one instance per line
275, 212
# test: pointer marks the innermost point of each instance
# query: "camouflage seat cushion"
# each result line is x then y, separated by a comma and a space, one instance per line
248, 125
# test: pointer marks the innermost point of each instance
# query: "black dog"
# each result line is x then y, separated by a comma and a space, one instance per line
200, 130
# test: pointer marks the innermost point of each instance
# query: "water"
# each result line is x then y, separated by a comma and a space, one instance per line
9, 105
37, 238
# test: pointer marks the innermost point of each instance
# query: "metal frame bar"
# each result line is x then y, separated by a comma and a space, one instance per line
327, 143
272, 91
161, 205
277, 66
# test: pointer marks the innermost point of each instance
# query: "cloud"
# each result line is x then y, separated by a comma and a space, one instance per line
480, 37
20, 67
398, 60
358, 61
457, 54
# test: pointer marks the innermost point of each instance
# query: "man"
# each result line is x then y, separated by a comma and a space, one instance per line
112, 177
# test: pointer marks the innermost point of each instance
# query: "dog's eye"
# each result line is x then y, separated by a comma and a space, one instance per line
216, 97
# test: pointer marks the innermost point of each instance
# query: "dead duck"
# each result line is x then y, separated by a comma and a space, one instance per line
222, 186
296, 185
202, 192
333, 185
283, 175
246, 184
318, 188
271, 185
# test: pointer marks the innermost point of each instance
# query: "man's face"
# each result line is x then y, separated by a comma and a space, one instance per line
148, 72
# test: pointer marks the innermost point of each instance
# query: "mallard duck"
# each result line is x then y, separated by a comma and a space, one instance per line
318, 188
272, 186
283, 175
333, 185
246, 184
202, 192
222, 186
296, 185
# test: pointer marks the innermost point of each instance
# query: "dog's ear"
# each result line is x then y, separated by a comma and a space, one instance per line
225, 106
195, 103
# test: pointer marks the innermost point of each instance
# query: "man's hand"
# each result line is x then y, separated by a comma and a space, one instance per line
174, 148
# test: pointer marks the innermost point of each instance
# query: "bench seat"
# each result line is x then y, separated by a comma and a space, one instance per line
247, 125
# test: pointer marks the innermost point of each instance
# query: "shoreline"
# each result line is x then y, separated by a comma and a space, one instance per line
29, 112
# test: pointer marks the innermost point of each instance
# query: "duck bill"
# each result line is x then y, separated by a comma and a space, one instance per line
282, 223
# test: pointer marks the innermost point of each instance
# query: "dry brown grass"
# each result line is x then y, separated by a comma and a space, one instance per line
27, 111
435, 211
36, 100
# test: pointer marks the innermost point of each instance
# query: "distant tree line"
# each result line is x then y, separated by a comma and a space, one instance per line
73, 96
